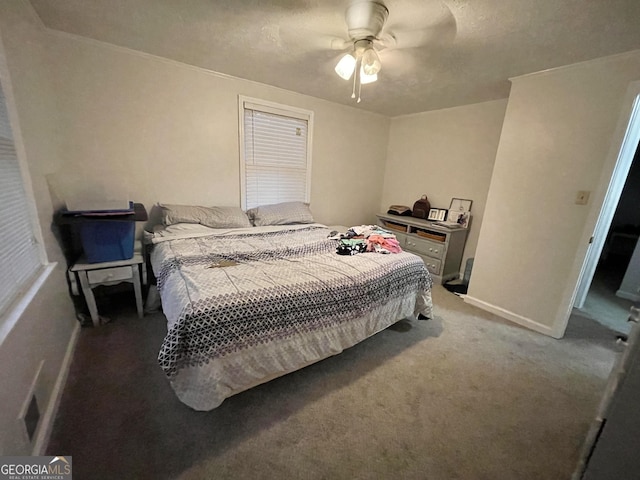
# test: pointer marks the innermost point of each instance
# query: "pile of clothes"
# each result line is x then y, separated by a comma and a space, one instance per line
366, 238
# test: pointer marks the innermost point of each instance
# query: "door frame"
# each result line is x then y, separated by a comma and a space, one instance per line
626, 138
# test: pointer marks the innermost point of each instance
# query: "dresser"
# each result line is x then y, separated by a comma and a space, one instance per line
440, 247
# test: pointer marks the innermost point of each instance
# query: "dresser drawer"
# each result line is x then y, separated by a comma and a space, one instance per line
433, 265
402, 239
109, 275
425, 247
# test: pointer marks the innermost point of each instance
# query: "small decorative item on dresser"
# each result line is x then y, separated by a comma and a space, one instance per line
399, 210
421, 208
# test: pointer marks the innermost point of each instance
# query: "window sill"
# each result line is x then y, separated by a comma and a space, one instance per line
9, 320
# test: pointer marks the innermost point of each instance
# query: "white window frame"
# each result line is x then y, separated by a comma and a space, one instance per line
11, 313
277, 109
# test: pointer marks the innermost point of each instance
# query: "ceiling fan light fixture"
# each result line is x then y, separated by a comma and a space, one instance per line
365, 21
346, 66
371, 64
366, 78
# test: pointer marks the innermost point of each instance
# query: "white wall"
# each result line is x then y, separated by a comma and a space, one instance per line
557, 135
167, 130
45, 330
170, 131
444, 154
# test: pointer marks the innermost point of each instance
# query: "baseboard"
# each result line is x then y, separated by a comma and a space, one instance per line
634, 297
45, 428
512, 317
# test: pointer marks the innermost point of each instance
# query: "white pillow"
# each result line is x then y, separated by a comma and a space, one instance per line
214, 217
280, 214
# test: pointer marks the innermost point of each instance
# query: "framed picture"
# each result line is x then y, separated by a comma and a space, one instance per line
461, 218
460, 205
438, 214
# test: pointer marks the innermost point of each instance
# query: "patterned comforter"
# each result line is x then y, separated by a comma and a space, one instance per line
245, 306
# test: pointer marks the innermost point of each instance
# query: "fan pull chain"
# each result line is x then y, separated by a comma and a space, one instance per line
353, 92
356, 78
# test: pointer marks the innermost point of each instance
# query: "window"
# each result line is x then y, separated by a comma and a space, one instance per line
20, 254
275, 153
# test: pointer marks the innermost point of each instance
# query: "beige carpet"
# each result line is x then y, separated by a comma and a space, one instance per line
602, 304
463, 396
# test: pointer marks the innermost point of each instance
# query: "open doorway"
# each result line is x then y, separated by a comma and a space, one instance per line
615, 232
610, 297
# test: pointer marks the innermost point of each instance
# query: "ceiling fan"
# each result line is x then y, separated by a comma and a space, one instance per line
366, 21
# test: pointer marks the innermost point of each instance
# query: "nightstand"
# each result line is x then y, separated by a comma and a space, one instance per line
92, 275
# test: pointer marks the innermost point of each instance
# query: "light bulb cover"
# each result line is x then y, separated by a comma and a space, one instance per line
365, 78
346, 66
371, 62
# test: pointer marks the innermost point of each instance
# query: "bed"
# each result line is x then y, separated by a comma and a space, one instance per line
246, 305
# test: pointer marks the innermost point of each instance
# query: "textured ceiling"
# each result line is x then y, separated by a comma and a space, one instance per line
467, 48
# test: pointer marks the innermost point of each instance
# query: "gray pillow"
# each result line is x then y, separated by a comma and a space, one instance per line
214, 217
280, 214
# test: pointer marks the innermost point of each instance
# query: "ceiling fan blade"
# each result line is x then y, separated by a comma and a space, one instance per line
385, 40
419, 38
294, 38
428, 24
340, 43
320, 28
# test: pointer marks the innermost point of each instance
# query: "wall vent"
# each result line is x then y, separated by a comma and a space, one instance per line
29, 416
32, 418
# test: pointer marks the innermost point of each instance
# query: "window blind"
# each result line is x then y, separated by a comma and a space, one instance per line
276, 156
19, 252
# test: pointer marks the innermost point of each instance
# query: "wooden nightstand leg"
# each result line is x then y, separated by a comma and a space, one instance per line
88, 296
144, 273
135, 270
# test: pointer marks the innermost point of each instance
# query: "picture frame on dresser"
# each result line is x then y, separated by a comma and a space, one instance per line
437, 214
460, 205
